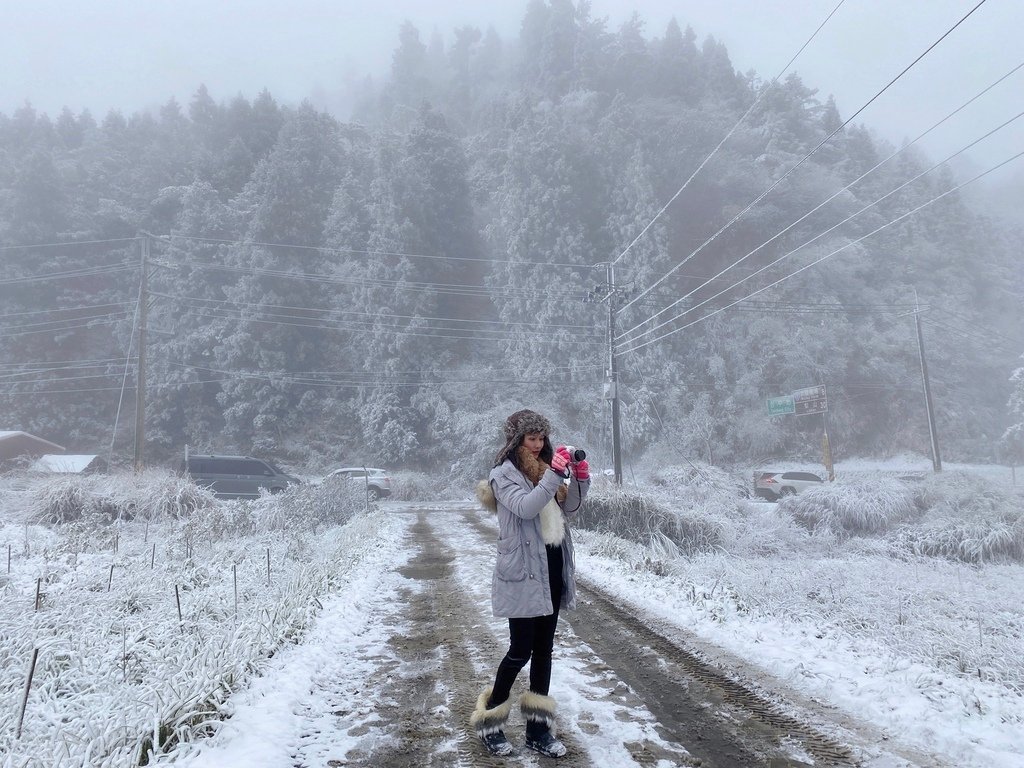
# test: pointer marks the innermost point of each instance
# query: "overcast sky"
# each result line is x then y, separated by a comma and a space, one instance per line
136, 54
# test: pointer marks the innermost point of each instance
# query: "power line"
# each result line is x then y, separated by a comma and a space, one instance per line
820, 144
978, 339
411, 373
534, 339
70, 243
454, 289
89, 324
90, 363
294, 378
808, 242
11, 376
323, 249
728, 135
41, 323
828, 255
986, 332
355, 385
356, 312
839, 192
78, 308
81, 272
60, 379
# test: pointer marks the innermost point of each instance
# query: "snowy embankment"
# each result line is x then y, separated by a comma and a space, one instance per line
148, 604
902, 605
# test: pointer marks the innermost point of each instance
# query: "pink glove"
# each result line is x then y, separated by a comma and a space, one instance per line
582, 470
560, 461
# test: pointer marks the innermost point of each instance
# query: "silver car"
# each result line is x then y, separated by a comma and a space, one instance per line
373, 480
774, 485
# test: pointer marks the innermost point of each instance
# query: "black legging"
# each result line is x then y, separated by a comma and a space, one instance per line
531, 638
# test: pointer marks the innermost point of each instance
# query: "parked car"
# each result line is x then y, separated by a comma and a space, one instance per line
774, 485
374, 480
236, 477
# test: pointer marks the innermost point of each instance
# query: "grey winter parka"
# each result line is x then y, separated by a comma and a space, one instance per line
520, 586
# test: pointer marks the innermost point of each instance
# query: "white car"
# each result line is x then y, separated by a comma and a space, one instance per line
774, 485
374, 480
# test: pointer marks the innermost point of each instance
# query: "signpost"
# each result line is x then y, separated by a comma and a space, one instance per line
811, 400
778, 406
805, 402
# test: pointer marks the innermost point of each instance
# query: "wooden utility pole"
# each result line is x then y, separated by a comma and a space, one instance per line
140, 384
613, 378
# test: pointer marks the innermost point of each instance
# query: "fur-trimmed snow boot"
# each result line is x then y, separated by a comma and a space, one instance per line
489, 722
539, 712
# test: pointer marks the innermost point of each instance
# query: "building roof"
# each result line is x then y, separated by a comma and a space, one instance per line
64, 463
14, 443
8, 434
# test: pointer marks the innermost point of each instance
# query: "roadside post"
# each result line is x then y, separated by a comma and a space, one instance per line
805, 402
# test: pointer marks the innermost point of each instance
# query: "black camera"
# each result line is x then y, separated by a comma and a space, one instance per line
576, 454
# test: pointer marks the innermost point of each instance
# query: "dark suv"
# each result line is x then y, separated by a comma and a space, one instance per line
236, 477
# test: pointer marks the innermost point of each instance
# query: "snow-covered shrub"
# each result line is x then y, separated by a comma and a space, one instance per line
161, 495
638, 516
151, 495
422, 486
855, 507
224, 520
305, 507
702, 478
765, 531
961, 494
62, 501
975, 540
308, 506
966, 518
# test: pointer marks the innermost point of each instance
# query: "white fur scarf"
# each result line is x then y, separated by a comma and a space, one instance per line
552, 525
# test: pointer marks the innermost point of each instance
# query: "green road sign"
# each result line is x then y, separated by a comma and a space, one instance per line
777, 406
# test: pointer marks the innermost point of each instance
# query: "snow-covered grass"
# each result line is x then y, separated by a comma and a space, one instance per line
927, 651
121, 671
853, 507
407, 485
965, 517
858, 611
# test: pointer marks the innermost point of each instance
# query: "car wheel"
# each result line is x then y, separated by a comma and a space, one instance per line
276, 490
373, 494
787, 491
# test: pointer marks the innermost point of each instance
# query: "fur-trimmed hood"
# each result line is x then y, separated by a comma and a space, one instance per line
485, 494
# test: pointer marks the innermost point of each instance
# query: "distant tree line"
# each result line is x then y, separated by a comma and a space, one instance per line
387, 289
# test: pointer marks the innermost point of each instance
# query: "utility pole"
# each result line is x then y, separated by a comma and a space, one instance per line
612, 294
933, 433
140, 384
613, 378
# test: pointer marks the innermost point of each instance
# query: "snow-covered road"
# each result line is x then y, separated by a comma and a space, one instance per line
391, 671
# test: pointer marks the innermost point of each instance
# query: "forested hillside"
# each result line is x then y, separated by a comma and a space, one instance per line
386, 287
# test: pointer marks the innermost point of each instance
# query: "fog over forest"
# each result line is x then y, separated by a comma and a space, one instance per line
384, 281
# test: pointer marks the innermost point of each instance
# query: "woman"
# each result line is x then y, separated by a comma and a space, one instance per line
535, 574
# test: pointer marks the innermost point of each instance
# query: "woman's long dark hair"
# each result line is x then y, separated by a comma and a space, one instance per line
545, 455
